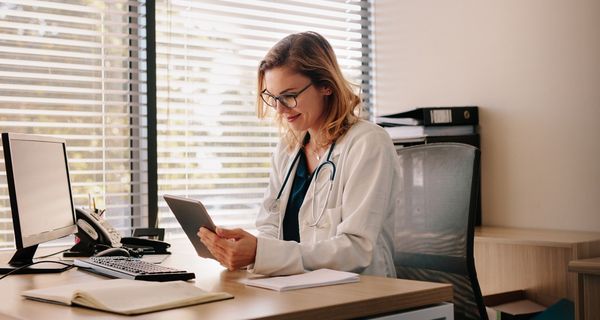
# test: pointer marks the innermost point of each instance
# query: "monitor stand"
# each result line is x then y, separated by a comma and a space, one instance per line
24, 257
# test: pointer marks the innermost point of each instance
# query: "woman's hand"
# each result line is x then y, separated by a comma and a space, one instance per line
234, 249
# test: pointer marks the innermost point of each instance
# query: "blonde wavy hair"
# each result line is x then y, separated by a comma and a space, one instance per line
309, 54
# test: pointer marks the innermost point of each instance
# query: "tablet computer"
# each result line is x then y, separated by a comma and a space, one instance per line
191, 215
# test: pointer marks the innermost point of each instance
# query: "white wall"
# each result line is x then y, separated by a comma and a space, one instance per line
533, 68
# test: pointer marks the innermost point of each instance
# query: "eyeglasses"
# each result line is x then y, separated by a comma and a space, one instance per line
287, 99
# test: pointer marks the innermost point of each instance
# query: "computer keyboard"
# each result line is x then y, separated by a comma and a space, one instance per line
131, 268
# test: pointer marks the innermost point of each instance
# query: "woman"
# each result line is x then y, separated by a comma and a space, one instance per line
332, 192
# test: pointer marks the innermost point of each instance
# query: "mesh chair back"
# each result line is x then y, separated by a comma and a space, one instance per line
433, 236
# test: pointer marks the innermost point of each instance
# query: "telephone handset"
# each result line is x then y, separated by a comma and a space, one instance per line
96, 234
96, 229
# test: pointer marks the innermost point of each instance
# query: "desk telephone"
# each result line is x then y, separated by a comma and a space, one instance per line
96, 234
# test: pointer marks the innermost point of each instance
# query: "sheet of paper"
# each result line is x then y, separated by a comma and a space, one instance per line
321, 277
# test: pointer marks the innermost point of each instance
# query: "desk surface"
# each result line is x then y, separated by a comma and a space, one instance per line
371, 296
535, 237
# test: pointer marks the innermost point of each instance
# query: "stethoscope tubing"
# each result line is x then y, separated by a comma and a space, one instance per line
287, 176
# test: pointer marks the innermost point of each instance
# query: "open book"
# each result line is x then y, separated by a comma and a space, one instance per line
126, 296
321, 277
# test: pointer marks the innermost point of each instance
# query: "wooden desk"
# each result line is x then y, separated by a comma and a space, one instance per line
589, 269
535, 260
371, 296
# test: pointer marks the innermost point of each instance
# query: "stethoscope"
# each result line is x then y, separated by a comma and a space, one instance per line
274, 208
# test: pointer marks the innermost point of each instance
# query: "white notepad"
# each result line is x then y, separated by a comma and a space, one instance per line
321, 277
126, 296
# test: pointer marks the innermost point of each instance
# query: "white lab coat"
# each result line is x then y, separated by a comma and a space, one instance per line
355, 232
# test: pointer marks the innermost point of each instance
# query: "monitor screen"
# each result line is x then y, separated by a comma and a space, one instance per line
38, 175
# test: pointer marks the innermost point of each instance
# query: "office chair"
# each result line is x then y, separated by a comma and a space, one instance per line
434, 228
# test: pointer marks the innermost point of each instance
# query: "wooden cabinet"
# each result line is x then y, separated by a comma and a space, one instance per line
535, 260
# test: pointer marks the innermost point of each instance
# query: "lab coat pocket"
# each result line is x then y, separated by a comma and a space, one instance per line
327, 226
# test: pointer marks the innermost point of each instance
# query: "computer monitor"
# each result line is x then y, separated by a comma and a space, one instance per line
37, 174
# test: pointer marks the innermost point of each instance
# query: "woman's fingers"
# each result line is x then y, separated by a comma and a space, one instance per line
234, 248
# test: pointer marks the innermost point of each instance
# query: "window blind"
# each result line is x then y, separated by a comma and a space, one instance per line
77, 70
211, 146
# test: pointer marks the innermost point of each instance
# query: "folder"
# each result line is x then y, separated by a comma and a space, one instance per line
435, 116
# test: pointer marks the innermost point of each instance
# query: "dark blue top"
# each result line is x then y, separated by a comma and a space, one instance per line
291, 230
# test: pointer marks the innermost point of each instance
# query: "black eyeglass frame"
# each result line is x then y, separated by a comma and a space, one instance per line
283, 96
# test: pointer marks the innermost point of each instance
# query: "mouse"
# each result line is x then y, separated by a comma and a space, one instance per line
113, 252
